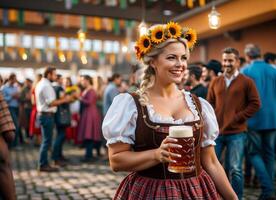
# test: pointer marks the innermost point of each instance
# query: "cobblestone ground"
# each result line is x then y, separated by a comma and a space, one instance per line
75, 181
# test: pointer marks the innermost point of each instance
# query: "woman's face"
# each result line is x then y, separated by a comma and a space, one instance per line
84, 82
171, 63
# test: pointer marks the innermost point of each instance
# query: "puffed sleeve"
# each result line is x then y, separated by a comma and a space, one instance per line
119, 123
211, 129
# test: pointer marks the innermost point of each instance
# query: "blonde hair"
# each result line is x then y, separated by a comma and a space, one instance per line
148, 79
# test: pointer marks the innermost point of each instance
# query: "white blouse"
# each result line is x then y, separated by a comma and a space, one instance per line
120, 121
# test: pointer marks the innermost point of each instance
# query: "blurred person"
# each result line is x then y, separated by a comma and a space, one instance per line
25, 99
111, 90
34, 127
46, 103
62, 121
235, 99
90, 122
7, 129
11, 95
1, 82
134, 78
123, 87
262, 126
72, 131
270, 58
136, 126
197, 88
213, 70
242, 63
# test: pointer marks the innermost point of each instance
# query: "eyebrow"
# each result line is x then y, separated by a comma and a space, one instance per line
175, 54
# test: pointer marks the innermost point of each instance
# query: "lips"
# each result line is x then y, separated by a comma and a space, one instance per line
176, 72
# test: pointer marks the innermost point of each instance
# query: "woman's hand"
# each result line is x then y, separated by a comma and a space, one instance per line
163, 155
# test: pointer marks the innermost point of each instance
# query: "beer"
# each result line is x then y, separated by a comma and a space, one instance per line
184, 136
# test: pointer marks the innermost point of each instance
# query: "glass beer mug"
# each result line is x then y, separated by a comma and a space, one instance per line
184, 136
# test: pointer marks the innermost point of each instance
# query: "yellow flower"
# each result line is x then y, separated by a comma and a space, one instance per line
138, 52
157, 34
174, 30
144, 44
191, 37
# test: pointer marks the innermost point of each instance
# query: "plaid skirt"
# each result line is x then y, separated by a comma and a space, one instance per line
136, 187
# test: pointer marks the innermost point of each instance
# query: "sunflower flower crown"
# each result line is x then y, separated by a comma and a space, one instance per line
161, 33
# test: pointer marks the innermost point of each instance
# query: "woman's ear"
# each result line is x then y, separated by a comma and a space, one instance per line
151, 63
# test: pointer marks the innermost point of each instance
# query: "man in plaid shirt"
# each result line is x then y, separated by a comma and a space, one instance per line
7, 128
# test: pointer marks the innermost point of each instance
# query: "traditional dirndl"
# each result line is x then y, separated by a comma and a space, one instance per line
136, 187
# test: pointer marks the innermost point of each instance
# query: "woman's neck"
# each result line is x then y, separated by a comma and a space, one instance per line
165, 91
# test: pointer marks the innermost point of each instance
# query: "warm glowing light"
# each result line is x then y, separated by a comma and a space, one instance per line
81, 36
84, 59
142, 28
214, 19
24, 56
124, 49
61, 57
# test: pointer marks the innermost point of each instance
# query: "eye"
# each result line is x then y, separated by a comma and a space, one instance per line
171, 57
184, 58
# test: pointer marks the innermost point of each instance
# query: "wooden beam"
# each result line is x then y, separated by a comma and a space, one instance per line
52, 6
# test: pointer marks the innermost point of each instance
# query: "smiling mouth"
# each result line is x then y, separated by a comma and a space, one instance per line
176, 72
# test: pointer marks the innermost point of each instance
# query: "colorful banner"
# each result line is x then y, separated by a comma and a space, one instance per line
20, 18
116, 27
97, 23
83, 24
202, 2
190, 4
12, 15
5, 17
123, 4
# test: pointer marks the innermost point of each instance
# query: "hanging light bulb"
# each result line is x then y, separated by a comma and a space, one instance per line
83, 58
61, 57
214, 18
81, 35
142, 28
24, 56
124, 49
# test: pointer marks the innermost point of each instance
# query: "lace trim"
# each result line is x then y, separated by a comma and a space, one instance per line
119, 139
157, 118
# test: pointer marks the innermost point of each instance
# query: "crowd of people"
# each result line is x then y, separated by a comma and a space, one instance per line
233, 98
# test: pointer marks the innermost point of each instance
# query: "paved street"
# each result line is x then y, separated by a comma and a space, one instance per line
76, 181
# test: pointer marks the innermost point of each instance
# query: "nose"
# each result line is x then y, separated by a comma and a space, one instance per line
180, 62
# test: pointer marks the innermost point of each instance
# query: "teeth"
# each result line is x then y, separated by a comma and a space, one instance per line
176, 72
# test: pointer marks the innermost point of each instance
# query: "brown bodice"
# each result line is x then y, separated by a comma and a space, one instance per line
149, 135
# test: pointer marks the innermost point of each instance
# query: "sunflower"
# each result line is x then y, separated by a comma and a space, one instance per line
144, 44
138, 52
174, 30
157, 34
191, 37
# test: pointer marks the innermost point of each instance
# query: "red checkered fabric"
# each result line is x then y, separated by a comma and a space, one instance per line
136, 187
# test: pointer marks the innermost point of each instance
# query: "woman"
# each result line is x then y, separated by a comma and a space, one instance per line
71, 132
34, 128
136, 126
90, 122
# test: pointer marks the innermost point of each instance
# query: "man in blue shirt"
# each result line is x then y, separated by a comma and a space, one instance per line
111, 91
11, 95
262, 126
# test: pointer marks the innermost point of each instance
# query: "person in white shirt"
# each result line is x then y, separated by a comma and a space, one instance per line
46, 104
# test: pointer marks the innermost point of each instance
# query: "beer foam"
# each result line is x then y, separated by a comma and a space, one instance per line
180, 131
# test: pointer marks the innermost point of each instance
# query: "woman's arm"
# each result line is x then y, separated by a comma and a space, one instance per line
213, 167
122, 158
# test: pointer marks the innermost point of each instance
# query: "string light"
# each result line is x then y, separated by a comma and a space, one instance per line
214, 19
142, 28
81, 36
